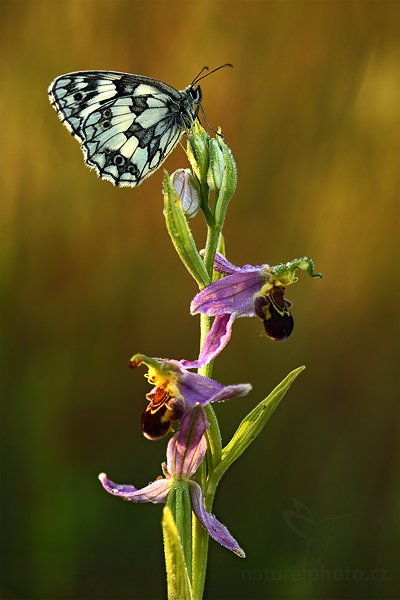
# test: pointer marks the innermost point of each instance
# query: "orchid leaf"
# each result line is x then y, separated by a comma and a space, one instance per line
253, 424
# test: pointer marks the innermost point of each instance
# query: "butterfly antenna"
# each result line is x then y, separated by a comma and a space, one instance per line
199, 77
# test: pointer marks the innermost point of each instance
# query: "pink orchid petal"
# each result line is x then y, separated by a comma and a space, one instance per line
231, 294
214, 528
155, 492
216, 340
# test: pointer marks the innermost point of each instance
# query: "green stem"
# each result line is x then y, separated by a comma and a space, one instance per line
205, 326
213, 235
205, 207
213, 436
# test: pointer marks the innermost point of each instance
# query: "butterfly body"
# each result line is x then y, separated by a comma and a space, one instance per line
126, 124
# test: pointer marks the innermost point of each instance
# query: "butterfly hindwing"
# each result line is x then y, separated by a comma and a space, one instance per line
126, 124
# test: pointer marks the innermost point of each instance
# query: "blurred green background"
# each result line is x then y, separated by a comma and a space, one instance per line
312, 114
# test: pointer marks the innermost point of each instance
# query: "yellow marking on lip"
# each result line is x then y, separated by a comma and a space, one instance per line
273, 281
160, 379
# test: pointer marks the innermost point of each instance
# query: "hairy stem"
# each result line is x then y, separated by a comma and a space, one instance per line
213, 437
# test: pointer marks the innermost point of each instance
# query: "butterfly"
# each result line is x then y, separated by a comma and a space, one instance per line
126, 124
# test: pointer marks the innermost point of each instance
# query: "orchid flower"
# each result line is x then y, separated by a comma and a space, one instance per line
248, 291
176, 393
185, 452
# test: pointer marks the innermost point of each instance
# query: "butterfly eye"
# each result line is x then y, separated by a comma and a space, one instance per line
196, 94
106, 124
78, 96
107, 113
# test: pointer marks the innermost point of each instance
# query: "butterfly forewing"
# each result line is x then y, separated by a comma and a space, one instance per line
126, 124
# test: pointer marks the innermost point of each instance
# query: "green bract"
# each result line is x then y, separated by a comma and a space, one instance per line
181, 235
216, 165
228, 184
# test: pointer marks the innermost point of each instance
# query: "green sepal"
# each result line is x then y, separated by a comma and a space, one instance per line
228, 183
286, 271
178, 581
138, 359
181, 235
253, 424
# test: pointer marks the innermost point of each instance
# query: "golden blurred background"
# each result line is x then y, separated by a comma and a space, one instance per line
311, 112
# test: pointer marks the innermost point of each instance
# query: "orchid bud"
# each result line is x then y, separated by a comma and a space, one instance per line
197, 152
187, 187
216, 166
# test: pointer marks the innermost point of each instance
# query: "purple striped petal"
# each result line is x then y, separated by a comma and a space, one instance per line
216, 340
214, 528
231, 294
155, 492
224, 266
197, 389
186, 449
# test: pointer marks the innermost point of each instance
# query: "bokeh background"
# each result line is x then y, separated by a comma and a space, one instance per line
312, 114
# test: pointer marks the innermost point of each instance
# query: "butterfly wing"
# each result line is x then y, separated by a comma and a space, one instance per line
126, 124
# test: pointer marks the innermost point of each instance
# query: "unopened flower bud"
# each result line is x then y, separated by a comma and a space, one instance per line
188, 189
216, 166
197, 152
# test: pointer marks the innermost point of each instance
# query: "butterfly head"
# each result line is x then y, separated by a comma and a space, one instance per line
196, 94
191, 103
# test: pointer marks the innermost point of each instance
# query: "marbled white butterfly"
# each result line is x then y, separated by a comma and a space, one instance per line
126, 124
